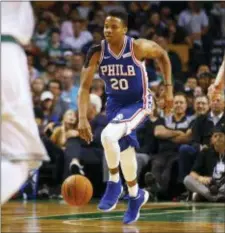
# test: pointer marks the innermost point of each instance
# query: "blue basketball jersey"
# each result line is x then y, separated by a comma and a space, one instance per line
125, 77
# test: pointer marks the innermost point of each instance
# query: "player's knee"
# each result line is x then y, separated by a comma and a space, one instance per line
106, 137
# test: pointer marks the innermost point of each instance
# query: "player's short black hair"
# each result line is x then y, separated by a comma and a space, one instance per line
119, 14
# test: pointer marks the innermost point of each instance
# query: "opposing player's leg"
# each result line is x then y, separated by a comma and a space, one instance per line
20, 141
18, 171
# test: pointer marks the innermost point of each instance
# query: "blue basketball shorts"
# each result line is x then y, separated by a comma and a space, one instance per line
134, 115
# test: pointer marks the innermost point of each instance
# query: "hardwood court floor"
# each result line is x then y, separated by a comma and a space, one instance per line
55, 216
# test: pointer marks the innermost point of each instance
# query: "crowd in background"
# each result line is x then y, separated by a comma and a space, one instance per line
64, 33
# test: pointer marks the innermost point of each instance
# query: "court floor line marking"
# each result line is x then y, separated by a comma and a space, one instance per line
70, 222
148, 208
94, 212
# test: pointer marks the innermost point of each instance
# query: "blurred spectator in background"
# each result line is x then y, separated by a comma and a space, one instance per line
202, 129
32, 70
202, 69
77, 63
60, 106
97, 37
79, 38
218, 12
176, 34
47, 106
207, 177
98, 20
70, 91
66, 130
190, 84
195, 21
155, 23
49, 73
41, 35
188, 152
174, 58
54, 49
68, 57
37, 87
204, 81
67, 25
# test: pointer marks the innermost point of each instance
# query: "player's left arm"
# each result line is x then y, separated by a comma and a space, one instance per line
146, 49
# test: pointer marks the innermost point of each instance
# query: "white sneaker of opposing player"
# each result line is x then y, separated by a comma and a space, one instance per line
13, 175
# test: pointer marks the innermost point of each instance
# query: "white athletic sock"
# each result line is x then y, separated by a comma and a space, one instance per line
13, 175
129, 168
114, 177
133, 191
110, 137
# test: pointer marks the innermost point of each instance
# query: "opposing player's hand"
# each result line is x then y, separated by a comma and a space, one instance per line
84, 130
213, 91
168, 100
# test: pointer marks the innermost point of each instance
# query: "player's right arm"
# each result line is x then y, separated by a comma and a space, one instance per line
87, 75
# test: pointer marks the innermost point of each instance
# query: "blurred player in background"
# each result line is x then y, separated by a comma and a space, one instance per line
120, 59
21, 145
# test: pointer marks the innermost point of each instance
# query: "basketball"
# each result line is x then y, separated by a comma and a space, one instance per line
77, 190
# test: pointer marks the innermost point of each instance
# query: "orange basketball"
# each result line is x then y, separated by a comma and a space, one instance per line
77, 190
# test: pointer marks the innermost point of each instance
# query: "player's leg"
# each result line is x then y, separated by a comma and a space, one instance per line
113, 142
110, 141
13, 175
20, 139
138, 197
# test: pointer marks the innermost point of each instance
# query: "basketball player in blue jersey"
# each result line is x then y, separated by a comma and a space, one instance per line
120, 61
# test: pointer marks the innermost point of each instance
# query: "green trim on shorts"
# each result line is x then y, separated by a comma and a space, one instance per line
8, 38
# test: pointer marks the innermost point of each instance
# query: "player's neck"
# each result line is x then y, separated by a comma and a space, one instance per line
117, 47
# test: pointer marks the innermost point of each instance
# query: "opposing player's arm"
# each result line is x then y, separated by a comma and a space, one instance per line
220, 78
87, 75
146, 49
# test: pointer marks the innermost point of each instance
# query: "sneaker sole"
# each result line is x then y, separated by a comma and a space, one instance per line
144, 202
114, 206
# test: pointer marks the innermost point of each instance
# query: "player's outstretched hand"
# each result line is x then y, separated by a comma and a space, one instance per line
84, 129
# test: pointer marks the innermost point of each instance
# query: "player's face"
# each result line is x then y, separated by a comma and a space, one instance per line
114, 29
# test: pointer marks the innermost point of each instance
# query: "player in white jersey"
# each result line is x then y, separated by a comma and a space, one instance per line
20, 141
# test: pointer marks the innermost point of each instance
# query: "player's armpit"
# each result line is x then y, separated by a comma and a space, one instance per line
95, 49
